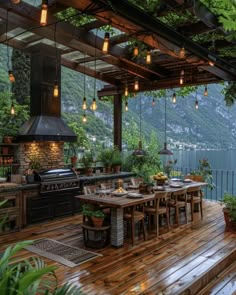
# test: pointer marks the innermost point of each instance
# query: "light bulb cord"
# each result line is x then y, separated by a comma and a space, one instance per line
165, 119
56, 49
84, 74
8, 55
140, 118
95, 62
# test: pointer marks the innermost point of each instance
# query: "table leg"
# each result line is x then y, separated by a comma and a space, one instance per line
117, 227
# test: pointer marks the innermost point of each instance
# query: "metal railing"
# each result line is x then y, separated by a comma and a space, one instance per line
222, 181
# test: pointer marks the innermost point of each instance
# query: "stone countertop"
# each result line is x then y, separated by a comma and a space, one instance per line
106, 176
9, 187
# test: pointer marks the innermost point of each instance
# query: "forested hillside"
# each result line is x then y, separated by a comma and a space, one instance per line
211, 126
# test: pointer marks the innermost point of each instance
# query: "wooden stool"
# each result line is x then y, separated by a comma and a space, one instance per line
96, 237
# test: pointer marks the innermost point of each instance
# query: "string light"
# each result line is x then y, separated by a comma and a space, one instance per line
196, 104
205, 91
126, 106
106, 43
44, 13
15, 1
148, 58
136, 84
174, 98
94, 106
84, 119
12, 109
153, 102
182, 52
84, 104
126, 91
11, 77
211, 63
135, 51
181, 80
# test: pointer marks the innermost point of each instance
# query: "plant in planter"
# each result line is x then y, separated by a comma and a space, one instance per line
34, 165
106, 157
87, 161
93, 215
116, 160
229, 211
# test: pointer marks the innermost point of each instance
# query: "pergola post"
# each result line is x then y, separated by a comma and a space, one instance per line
117, 123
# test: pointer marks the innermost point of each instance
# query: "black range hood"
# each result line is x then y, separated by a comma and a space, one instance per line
45, 122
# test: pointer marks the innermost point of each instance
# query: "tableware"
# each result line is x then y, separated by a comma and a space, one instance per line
158, 188
134, 195
104, 191
176, 185
119, 194
175, 179
187, 180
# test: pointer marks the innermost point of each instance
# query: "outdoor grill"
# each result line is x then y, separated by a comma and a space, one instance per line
57, 180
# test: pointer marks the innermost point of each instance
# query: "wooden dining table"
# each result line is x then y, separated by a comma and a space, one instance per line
118, 203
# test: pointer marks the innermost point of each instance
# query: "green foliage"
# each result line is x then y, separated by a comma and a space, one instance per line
106, 156
230, 203
117, 157
34, 163
9, 125
205, 171
230, 94
91, 210
87, 160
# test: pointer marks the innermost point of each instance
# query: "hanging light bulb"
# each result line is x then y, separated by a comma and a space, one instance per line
56, 89
153, 102
15, 1
181, 80
136, 84
84, 104
211, 63
106, 43
126, 106
174, 98
12, 109
44, 13
84, 119
11, 77
196, 104
126, 91
205, 91
148, 58
182, 52
135, 51
94, 106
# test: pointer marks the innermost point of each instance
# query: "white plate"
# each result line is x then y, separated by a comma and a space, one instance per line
175, 185
134, 195
115, 194
175, 179
188, 180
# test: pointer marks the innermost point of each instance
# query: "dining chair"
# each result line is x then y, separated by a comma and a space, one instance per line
107, 185
194, 196
136, 181
177, 201
90, 189
132, 216
157, 208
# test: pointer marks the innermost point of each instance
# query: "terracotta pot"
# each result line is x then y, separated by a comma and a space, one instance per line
73, 160
5, 150
97, 222
198, 178
108, 169
230, 225
116, 169
7, 139
88, 171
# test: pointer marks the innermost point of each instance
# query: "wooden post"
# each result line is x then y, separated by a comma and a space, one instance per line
117, 127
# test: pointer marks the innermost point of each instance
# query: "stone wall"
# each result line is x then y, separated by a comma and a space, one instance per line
48, 154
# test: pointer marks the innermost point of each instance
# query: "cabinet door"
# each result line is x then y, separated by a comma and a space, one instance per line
63, 205
39, 209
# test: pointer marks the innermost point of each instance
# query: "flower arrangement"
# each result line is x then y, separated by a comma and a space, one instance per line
169, 166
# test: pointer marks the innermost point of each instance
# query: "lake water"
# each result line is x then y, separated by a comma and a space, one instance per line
223, 164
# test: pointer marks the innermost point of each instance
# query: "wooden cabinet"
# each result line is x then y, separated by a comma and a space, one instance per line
10, 211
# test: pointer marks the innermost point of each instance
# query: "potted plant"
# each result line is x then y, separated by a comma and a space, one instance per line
229, 211
34, 165
93, 215
116, 160
106, 157
87, 161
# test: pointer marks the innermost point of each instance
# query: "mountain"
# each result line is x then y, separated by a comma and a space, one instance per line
211, 126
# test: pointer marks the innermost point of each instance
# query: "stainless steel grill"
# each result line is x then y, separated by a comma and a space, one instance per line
55, 180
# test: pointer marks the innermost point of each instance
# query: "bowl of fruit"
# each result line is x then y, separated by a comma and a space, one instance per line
160, 178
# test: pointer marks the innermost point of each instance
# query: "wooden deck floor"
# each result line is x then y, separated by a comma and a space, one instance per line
181, 261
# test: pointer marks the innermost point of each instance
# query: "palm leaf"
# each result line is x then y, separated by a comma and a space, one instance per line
68, 289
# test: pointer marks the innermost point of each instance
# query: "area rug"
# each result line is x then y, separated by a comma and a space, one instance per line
62, 253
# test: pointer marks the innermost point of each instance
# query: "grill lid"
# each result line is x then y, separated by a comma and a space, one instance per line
55, 175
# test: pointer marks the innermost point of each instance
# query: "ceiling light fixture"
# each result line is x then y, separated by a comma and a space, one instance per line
165, 151
105, 45
84, 104
126, 91
174, 98
12, 108
139, 152
56, 86
10, 73
205, 91
44, 13
15, 1
196, 102
135, 51
153, 102
181, 79
126, 106
94, 106
84, 119
136, 84
182, 52
148, 58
